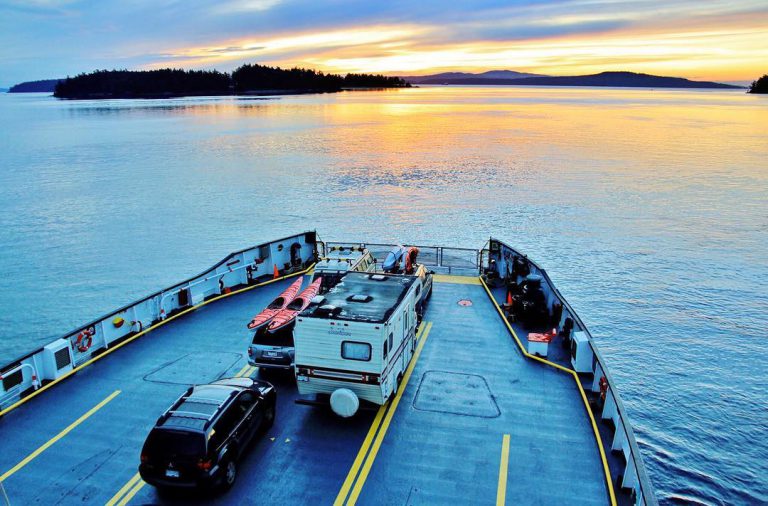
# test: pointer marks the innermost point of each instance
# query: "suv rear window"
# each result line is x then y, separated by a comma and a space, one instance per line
174, 442
283, 337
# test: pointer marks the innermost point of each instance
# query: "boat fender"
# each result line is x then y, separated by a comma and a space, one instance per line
118, 322
85, 339
344, 402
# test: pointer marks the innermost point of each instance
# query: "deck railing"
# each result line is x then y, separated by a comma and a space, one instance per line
634, 476
439, 258
60, 357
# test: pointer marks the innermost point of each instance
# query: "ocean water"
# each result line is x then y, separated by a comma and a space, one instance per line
648, 208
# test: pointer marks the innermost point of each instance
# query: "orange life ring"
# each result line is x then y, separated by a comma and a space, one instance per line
85, 339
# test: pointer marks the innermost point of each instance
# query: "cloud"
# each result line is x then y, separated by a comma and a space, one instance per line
717, 39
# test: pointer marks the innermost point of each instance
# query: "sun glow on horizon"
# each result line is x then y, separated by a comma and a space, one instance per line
707, 52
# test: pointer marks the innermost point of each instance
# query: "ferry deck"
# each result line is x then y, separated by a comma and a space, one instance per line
478, 422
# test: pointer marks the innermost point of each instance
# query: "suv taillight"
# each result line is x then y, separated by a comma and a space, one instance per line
205, 465
250, 351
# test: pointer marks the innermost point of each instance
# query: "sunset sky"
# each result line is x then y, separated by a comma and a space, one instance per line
702, 39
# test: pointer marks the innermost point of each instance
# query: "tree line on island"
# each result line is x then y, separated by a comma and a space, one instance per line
247, 79
759, 86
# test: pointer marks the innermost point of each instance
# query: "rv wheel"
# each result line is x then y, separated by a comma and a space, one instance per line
397, 383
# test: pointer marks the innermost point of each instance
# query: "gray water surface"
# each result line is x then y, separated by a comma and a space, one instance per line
648, 209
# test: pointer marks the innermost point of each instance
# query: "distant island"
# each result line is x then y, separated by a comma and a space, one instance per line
759, 86
44, 86
609, 79
246, 80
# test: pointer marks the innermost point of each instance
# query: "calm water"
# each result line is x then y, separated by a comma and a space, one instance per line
648, 209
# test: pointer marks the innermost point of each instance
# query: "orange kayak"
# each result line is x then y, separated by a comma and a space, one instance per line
275, 306
299, 304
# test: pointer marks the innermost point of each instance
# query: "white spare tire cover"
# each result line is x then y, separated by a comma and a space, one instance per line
344, 402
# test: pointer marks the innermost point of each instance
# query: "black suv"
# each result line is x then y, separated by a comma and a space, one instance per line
198, 441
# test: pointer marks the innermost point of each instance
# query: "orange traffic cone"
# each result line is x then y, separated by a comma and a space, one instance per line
509, 298
276, 273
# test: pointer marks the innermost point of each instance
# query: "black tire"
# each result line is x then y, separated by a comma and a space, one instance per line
269, 418
398, 382
230, 474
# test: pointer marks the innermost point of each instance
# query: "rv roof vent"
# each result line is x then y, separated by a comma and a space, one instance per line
328, 310
379, 277
317, 299
359, 298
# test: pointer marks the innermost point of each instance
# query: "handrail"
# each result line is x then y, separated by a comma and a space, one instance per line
649, 497
150, 313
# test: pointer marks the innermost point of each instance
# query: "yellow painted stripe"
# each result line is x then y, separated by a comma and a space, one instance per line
461, 280
112, 502
501, 490
130, 494
249, 372
387, 420
360, 456
139, 334
241, 371
575, 376
58, 436
352, 474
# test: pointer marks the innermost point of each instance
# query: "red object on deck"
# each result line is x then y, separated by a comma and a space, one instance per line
275, 272
276, 306
299, 304
537, 337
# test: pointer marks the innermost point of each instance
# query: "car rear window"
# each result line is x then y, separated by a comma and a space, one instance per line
173, 442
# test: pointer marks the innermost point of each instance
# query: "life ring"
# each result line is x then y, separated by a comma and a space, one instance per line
85, 339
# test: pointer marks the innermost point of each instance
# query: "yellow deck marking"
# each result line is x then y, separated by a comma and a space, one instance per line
366, 444
387, 419
139, 334
461, 280
130, 494
575, 376
241, 371
249, 372
501, 490
126, 487
58, 436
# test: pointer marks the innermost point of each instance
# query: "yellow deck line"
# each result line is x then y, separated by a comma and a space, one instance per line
575, 376
132, 493
461, 280
112, 502
352, 474
387, 419
58, 436
139, 334
241, 371
501, 489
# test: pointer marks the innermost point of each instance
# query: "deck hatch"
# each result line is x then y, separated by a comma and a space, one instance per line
455, 393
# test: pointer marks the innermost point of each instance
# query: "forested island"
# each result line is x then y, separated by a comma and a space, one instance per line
759, 86
247, 79
46, 85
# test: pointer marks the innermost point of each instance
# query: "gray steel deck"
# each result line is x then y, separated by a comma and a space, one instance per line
469, 387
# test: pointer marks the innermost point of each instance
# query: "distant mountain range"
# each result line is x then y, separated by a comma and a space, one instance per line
448, 77
609, 79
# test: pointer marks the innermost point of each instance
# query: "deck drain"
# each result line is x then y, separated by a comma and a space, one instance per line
455, 393
194, 368
465, 302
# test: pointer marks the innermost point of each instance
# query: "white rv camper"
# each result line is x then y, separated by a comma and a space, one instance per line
356, 344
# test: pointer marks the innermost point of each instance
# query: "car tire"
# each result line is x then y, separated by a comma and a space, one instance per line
269, 418
230, 474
